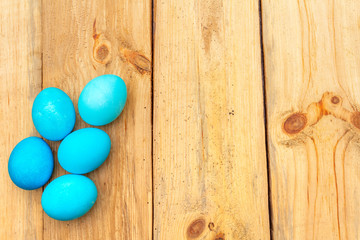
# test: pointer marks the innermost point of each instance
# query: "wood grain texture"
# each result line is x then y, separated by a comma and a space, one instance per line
312, 75
20, 77
208, 144
85, 39
210, 179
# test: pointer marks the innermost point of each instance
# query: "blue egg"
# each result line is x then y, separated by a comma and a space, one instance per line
84, 150
31, 163
69, 197
53, 114
102, 100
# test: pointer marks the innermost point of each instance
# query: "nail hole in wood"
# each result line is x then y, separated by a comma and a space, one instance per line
211, 226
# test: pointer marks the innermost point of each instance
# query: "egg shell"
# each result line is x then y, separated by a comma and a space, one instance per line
53, 114
102, 100
69, 197
84, 150
31, 163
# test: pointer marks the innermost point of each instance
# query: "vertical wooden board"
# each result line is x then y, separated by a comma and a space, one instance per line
82, 40
210, 178
20, 78
312, 86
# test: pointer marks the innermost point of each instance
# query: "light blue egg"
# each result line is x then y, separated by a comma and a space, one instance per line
31, 163
84, 150
102, 100
53, 114
69, 197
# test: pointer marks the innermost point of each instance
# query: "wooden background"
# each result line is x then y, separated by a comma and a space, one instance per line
242, 119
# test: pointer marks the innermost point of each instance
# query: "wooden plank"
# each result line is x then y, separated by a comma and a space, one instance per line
210, 177
313, 87
20, 78
82, 40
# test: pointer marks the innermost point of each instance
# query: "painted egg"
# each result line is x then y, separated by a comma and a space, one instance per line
69, 197
53, 114
31, 163
84, 150
102, 100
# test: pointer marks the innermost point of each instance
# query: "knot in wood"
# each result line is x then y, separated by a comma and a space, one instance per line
355, 119
196, 228
102, 52
335, 100
139, 61
295, 123
220, 236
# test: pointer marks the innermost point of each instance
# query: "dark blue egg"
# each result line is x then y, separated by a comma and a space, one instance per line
31, 163
53, 114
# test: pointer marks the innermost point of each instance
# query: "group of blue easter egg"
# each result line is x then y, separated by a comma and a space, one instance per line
31, 162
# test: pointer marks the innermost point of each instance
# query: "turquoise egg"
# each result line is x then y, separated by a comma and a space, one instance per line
53, 114
84, 150
31, 163
69, 197
102, 100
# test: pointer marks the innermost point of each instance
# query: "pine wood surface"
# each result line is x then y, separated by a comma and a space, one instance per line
311, 51
210, 179
242, 119
94, 38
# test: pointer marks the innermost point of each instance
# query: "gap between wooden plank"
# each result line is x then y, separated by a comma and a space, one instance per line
265, 115
41, 88
153, 11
